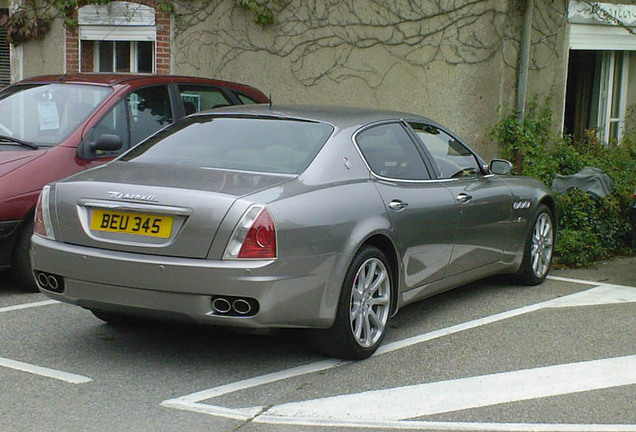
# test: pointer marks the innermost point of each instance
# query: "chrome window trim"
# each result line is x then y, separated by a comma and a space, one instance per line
379, 177
396, 180
134, 206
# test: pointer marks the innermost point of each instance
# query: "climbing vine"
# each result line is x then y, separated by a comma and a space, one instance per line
32, 20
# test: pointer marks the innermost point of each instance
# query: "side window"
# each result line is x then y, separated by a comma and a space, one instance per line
200, 98
114, 123
452, 158
150, 110
245, 99
390, 152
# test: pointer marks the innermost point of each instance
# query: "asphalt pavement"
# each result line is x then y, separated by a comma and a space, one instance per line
620, 271
491, 355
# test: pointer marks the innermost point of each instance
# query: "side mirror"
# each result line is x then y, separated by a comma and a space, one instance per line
107, 142
500, 167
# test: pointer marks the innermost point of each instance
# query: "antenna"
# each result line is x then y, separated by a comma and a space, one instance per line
270, 101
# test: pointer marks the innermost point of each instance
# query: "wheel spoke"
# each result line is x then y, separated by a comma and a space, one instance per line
370, 274
376, 320
373, 288
366, 337
379, 301
357, 322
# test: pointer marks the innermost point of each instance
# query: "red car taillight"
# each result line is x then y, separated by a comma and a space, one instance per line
254, 236
42, 222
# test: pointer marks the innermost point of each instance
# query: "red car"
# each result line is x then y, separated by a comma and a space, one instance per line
54, 126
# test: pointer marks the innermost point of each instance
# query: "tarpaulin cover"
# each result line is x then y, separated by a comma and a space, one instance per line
589, 179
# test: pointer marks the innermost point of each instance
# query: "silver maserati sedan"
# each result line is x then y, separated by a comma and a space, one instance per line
258, 217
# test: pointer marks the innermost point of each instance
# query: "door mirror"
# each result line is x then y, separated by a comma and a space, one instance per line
500, 167
107, 142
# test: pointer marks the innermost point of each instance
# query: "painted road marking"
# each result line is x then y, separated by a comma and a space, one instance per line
28, 305
39, 370
413, 401
42, 371
599, 294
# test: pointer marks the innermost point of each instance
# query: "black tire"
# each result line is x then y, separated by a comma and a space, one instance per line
362, 317
21, 271
538, 248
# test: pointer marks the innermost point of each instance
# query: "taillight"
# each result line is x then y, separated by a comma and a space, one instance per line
42, 223
254, 236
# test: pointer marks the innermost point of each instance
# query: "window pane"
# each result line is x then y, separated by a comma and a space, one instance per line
200, 98
248, 144
390, 152
150, 111
617, 85
145, 58
47, 114
106, 56
613, 131
245, 99
453, 159
122, 56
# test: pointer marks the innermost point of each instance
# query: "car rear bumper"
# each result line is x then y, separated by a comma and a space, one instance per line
289, 294
8, 234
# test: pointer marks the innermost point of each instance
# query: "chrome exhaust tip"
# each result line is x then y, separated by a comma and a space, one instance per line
53, 283
241, 307
49, 281
43, 280
221, 305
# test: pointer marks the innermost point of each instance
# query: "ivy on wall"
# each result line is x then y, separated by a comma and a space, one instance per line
32, 20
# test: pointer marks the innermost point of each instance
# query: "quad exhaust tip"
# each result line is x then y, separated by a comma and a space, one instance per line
50, 281
234, 306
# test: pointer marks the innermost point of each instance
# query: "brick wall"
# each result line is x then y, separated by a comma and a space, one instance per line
162, 45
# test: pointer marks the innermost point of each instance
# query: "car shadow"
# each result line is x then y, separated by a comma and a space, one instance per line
202, 343
8, 286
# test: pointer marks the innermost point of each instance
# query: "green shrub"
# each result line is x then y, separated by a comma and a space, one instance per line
590, 227
577, 248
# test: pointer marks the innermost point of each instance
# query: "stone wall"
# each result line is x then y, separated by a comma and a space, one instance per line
454, 62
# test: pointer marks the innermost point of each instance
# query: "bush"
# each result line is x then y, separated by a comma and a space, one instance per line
590, 227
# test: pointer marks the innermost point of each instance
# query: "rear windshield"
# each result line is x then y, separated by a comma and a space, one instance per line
260, 144
45, 114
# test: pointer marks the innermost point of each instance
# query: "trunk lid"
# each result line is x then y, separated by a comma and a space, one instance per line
152, 209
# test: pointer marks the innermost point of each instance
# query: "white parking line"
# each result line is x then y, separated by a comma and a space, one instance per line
39, 370
28, 305
584, 282
403, 403
42, 371
598, 294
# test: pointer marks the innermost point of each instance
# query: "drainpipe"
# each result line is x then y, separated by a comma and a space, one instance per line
522, 74
524, 60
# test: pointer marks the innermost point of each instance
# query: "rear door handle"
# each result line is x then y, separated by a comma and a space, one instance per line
463, 198
398, 205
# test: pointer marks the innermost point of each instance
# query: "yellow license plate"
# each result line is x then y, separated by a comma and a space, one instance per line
132, 223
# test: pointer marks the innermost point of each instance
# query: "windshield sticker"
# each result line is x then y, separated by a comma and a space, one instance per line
49, 117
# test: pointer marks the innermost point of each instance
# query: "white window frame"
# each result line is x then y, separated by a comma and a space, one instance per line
607, 96
133, 56
118, 22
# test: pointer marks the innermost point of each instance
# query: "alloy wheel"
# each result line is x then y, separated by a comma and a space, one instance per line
542, 245
370, 302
